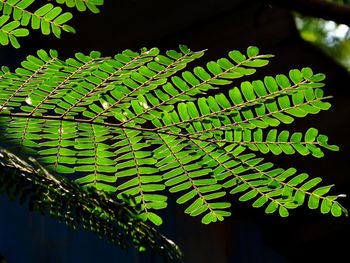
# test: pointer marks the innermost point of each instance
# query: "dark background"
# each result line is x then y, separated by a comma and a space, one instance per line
249, 235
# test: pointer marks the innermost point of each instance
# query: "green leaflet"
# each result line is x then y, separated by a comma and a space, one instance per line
17, 16
139, 124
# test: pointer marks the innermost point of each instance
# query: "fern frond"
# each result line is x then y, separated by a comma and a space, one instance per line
47, 18
182, 173
83, 5
278, 193
184, 88
18, 15
144, 81
86, 208
280, 142
254, 105
139, 122
136, 162
252, 178
275, 142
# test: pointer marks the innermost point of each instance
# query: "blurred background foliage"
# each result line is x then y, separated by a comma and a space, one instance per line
332, 38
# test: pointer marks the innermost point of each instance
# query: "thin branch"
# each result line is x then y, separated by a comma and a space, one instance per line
316, 8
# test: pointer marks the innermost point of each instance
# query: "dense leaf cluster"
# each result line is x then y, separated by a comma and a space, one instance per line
16, 16
87, 208
138, 123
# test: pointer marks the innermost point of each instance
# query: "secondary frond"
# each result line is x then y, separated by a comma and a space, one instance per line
139, 123
183, 173
83, 5
280, 142
185, 88
259, 180
86, 208
255, 104
17, 16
